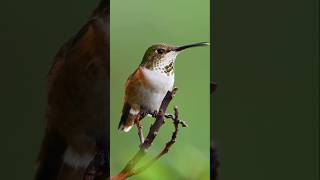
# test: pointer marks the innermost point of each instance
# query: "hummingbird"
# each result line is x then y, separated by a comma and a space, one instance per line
148, 84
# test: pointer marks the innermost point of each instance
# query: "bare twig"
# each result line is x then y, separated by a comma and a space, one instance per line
173, 118
168, 145
140, 132
154, 129
130, 169
176, 123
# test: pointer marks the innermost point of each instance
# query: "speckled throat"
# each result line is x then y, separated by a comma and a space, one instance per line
161, 66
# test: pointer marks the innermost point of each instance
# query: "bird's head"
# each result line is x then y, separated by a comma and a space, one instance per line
161, 57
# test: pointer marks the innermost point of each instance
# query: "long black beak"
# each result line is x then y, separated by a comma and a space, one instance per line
180, 48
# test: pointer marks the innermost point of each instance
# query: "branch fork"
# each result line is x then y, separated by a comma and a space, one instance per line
145, 143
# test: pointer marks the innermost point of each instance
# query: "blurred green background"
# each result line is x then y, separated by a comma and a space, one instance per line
135, 25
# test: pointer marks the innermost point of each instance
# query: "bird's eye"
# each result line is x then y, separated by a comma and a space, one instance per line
160, 51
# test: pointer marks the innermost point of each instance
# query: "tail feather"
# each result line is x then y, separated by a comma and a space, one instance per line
127, 118
127, 125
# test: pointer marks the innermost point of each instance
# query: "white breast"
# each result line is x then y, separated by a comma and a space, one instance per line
159, 81
160, 84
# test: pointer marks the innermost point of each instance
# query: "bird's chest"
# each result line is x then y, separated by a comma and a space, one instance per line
155, 87
157, 81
